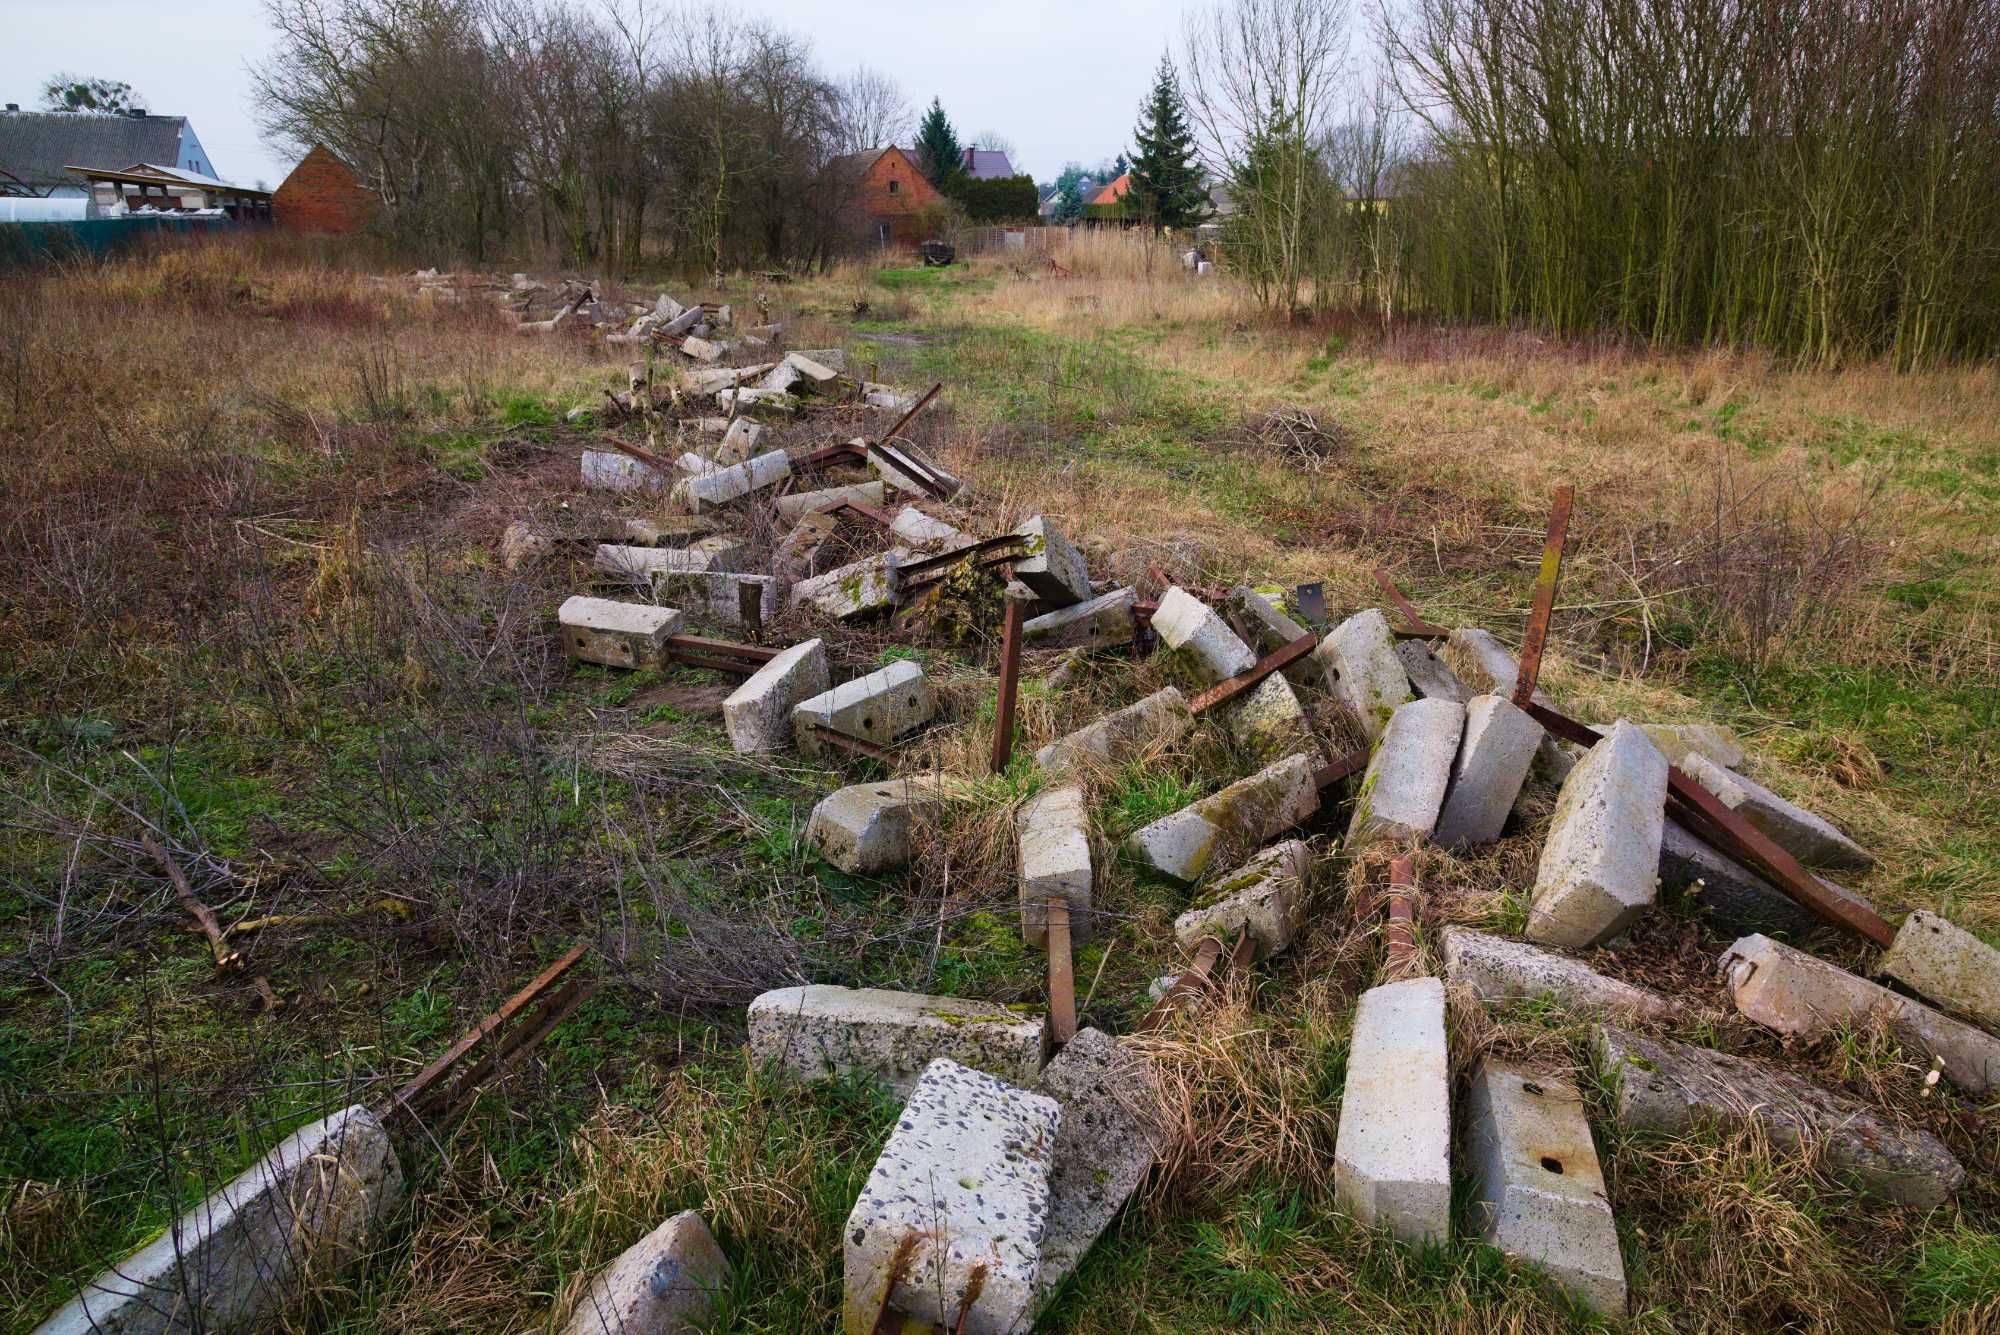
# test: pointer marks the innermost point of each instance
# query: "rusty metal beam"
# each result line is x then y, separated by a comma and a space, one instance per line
422, 1089
1194, 976
646, 457
987, 551
1545, 596
1399, 934
1010, 686
1062, 978
1412, 618
1224, 691
1717, 825
907, 417
860, 746
1346, 767
719, 655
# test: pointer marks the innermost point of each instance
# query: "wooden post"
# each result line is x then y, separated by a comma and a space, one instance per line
1545, 597
1062, 980
750, 609
1010, 682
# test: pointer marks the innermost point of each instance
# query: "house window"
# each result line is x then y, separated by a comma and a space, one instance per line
894, 185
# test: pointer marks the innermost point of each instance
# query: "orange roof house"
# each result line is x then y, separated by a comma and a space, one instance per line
324, 195
1115, 192
883, 198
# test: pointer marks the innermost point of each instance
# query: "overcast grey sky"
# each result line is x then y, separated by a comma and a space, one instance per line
1061, 78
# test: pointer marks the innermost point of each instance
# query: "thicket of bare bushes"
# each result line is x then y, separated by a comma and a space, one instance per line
1809, 176
504, 126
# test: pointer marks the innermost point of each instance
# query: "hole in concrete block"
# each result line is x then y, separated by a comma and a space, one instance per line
1551, 1163
579, 641
867, 724
1531, 1087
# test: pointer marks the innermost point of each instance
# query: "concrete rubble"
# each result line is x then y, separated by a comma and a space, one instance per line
948, 1229
922, 533
629, 635
739, 441
1404, 788
1269, 717
1157, 721
1266, 896
723, 485
877, 708
1678, 740
667, 1283
1363, 671
791, 507
1053, 836
307, 1208
1096, 623
1600, 865
1802, 996
758, 714
608, 470
1500, 972
1053, 568
855, 589
1429, 675
1229, 823
1947, 964
1266, 629
639, 565
1540, 1195
1673, 1089
1731, 897
716, 596
820, 1032
1113, 1131
864, 828
1392, 1152
1487, 667
1799, 832
1493, 760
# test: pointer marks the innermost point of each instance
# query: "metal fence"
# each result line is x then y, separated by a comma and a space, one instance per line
95, 238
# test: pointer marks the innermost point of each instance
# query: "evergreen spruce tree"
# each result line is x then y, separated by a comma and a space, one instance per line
1168, 186
939, 155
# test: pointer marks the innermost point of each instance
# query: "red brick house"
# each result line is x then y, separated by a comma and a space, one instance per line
324, 195
883, 200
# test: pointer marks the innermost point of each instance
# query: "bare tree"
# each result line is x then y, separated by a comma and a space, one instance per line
872, 111
1263, 79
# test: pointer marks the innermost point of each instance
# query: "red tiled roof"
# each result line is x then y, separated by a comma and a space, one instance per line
1114, 192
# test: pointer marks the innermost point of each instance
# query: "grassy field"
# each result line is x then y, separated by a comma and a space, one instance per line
251, 503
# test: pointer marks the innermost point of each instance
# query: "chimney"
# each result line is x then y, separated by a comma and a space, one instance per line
13, 106
136, 113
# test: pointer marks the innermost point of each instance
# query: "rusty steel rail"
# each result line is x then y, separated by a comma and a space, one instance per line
1006, 548
1224, 691
430, 1093
719, 655
1194, 976
1545, 597
1412, 618
1010, 686
1346, 767
831, 456
1717, 825
644, 456
860, 746
910, 416
1399, 934
1062, 976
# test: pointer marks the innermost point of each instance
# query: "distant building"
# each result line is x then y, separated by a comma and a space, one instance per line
38, 148
323, 194
1086, 186
987, 164
145, 187
881, 197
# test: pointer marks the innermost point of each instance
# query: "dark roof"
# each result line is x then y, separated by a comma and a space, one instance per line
854, 166
986, 164
37, 145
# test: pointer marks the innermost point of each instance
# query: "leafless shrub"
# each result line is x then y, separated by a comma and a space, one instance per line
1299, 437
